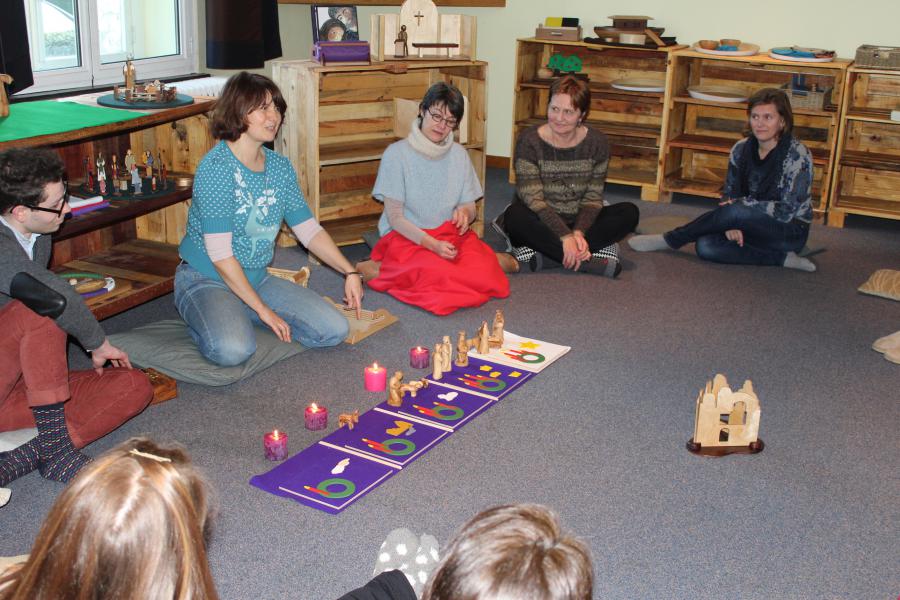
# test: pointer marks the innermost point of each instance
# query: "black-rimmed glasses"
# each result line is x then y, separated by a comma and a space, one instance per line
62, 206
438, 118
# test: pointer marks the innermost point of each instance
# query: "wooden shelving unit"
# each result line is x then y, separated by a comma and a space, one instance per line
134, 241
866, 178
633, 121
341, 119
699, 134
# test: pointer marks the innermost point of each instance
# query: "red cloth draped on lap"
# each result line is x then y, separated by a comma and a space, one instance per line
418, 276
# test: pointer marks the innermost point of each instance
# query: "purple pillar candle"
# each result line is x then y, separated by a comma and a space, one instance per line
275, 443
418, 357
316, 417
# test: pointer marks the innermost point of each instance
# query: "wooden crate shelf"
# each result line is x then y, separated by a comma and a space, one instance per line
134, 241
633, 121
866, 177
344, 119
699, 134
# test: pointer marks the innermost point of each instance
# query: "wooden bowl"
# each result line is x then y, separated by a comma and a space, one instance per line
730, 42
708, 44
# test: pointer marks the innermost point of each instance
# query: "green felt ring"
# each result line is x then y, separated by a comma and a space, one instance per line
84, 275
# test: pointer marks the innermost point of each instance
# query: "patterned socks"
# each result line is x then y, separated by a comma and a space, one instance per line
415, 557
59, 460
21, 461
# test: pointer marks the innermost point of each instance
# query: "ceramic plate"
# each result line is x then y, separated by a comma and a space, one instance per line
783, 53
639, 84
717, 93
743, 50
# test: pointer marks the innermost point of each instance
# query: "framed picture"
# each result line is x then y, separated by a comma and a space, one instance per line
334, 23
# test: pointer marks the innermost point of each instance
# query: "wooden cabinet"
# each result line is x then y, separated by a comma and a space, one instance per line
700, 133
866, 178
633, 120
134, 241
341, 118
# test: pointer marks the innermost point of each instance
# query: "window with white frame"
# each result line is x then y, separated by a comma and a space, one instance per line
77, 43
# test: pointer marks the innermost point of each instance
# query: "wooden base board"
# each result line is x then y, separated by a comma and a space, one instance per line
498, 162
719, 451
372, 321
164, 387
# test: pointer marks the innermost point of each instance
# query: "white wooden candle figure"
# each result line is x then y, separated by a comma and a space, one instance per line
726, 422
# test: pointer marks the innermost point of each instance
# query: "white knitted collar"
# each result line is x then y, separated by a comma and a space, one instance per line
422, 144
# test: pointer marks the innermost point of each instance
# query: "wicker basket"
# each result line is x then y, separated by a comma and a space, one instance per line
878, 57
813, 99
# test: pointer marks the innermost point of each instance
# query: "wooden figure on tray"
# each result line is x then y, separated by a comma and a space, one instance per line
483, 340
726, 422
348, 419
462, 350
496, 339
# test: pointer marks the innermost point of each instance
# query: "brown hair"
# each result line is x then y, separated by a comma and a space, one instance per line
128, 526
782, 104
24, 173
577, 89
513, 551
243, 93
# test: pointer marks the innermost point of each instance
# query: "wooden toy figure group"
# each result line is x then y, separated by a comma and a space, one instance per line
484, 340
159, 176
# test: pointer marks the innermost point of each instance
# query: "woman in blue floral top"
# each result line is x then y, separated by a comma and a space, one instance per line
766, 208
242, 193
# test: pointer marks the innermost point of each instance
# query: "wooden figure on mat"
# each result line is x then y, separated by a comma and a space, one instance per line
101, 173
483, 343
129, 160
395, 396
496, 339
348, 419
726, 422
136, 180
4, 101
148, 161
437, 364
412, 387
446, 354
462, 350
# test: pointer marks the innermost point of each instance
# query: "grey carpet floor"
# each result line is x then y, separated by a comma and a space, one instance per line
599, 436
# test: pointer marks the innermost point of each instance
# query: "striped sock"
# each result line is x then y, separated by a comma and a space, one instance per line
60, 461
21, 461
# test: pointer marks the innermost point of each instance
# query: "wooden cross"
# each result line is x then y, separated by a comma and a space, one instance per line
419, 16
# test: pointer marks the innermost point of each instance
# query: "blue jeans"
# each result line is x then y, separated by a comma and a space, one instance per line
766, 240
222, 325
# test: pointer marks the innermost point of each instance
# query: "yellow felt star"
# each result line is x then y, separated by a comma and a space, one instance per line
529, 345
485, 368
515, 374
495, 374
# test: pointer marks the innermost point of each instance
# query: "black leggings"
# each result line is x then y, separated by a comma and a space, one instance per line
525, 228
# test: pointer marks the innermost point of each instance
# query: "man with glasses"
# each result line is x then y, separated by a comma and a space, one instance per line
38, 311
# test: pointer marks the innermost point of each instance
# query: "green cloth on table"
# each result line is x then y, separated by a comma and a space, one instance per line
44, 117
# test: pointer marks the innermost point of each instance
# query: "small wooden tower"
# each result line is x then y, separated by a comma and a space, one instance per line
726, 422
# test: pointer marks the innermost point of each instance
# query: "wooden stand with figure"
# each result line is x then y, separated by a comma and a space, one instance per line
726, 422
419, 25
397, 389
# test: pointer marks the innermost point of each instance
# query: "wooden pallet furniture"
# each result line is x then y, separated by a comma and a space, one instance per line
700, 133
866, 178
632, 120
134, 241
341, 119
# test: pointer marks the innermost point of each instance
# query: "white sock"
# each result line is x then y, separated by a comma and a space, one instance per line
792, 261
648, 243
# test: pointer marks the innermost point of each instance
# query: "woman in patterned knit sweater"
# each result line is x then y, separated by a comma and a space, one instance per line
242, 193
765, 212
559, 212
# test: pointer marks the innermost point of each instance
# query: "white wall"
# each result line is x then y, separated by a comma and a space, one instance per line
832, 24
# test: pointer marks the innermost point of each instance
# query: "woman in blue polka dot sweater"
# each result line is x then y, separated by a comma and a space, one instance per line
242, 193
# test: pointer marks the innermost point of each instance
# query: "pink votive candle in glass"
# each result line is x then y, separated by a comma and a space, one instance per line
419, 357
315, 417
275, 444
376, 378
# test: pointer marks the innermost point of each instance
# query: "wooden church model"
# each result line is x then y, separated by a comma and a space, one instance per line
429, 35
726, 422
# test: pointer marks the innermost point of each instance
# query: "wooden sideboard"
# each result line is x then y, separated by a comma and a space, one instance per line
134, 241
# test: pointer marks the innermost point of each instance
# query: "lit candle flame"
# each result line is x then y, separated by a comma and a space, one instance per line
314, 407
418, 348
374, 366
275, 435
